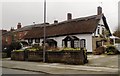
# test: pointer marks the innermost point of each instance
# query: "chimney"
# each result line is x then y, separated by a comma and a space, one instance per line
55, 21
99, 10
69, 16
19, 26
12, 29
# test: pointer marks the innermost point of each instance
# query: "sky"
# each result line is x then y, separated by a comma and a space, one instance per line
29, 11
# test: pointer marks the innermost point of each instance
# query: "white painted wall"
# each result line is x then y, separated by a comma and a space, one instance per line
59, 40
99, 26
87, 37
41, 42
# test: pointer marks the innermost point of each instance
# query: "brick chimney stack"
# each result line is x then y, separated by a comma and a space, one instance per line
55, 21
99, 10
19, 26
69, 16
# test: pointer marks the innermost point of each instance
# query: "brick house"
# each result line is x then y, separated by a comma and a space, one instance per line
20, 32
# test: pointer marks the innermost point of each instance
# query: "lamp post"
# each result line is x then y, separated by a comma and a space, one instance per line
44, 47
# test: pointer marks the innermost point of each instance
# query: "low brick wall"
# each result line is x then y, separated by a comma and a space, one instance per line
68, 57
17, 55
4, 55
35, 56
54, 56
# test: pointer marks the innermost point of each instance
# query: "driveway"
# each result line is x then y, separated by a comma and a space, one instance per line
103, 61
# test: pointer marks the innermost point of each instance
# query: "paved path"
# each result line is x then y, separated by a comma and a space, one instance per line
56, 68
16, 71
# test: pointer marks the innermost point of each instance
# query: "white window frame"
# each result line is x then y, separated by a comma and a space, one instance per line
83, 43
76, 43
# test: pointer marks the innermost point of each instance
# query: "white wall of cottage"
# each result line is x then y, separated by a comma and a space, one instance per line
100, 28
87, 37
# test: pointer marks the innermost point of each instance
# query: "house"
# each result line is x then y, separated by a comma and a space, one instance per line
85, 32
20, 32
7, 37
16, 34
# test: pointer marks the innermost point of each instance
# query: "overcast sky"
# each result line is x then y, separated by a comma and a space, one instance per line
29, 11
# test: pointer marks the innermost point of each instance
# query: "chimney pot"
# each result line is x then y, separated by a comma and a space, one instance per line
19, 26
99, 10
69, 16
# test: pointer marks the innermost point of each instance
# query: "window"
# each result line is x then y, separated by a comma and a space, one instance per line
76, 44
63, 43
103, 31
37, 40
83, 43
69, 44
30, 40
98, 30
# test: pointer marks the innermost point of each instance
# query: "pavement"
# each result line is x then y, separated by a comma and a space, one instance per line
105, 64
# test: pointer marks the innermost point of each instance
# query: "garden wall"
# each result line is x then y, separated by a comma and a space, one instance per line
68, 57
34, 56
17, 55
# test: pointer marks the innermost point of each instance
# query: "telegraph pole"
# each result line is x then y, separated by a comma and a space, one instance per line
44, 47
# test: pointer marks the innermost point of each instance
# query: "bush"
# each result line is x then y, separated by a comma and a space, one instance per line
110, 50
99, 50
13, 46
18, 50
36, 47
69, 49
16, 45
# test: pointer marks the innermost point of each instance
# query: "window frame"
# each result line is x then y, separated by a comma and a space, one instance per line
76, 43
98, 30
37, 40
83, 43
30, 40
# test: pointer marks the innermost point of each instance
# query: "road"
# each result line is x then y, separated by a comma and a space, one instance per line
98, 64
15, 71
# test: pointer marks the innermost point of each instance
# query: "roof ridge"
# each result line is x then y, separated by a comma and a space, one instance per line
76, 19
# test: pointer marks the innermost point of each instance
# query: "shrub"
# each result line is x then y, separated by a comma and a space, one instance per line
16, 45
13, 46
111, 50
67, 49
99, 50
36, 47
18, 50
32, 49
